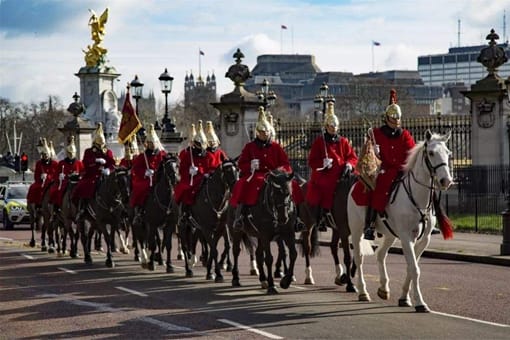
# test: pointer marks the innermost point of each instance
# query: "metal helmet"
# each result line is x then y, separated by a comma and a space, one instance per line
192, 133
70, 148
99, 138
130, 148
262, 124
393, 110
329, 116
269, 118
153, 138
42, 147
212, 139
200, 140
53, 154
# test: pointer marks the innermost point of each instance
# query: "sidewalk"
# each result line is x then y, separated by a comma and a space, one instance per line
469, 247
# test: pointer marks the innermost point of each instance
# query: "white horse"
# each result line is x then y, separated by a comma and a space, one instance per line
409, 217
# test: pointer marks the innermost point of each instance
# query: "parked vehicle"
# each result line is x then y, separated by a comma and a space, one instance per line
13, 204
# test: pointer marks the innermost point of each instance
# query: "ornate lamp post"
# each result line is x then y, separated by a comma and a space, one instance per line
266, 95
137, 86
166, 80
321, 99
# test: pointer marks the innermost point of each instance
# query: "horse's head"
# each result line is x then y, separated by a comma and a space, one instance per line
229, 173
436, 155
120, 181
280, 194
168, 170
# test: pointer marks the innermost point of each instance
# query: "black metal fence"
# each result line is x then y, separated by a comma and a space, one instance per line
474, 202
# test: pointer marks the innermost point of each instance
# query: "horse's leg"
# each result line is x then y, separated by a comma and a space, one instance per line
109, 235
236, 250
268, 260
335, 238
167, 242
384, 289
97, 241
290, 241
345, 278
280, 260
413, 271
153, 240
214, 255
31, 210
259, 255
186, 241
85, 241
40, 221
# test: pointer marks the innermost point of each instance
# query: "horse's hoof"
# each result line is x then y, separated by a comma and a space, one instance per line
236, 283
158, 259
344, 279
109, 263
189, 273
150, 266
145, 265
180, 257
51, 250
73, 255
44, 248
286, 281
272, 291
383, 294
229, 268
137, 258
309, 281
209, 277
264, 284
170, 269
364, 297
254, 272
351, 289
32, 243
278, 274
422, 309
87, 259
59, 254
219, 279
404, 303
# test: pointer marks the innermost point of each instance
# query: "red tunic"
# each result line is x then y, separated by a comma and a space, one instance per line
217, 158
141, 184
186, 190
126, 163
36, 190
322, 185
66, 166
271, 156
86, 187
394, 150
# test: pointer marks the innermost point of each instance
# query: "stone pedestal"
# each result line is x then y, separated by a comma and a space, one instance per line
82, 133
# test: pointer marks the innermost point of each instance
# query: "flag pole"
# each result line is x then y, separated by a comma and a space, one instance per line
372, 57
281, 40
199, 63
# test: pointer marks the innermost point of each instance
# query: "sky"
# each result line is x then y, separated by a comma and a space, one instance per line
42, 41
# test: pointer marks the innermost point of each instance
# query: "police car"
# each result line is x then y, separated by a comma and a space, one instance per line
13, 204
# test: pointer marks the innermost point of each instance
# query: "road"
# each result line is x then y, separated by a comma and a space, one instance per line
46, 297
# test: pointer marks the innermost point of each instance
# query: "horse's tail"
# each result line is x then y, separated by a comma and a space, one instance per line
310, 242
445, 224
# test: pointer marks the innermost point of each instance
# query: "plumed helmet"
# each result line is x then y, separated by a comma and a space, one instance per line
329, 117
43, 148
192, 133
393, 110
99, 138
130, 148
70, 147
212, 139
200, 140
153, 138
53, 154
270, 120
262, 123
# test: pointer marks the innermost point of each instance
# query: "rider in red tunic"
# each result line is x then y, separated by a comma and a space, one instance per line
130, 152
45, 173
194, 163
142, 172
66, 167
330, 155
392, 144
97, 161
213, 147
257, 158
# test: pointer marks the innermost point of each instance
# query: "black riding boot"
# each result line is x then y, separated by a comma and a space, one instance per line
370, 223
238, 224
300, 226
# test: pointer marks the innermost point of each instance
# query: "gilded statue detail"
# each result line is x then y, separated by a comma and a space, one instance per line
95, 54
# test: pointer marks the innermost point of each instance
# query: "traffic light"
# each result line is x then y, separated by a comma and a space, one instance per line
17, 163
24, 162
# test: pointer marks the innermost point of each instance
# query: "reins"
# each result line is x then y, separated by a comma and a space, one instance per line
226, 191
168, 182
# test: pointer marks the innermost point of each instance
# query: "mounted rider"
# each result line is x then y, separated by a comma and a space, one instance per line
331, 156
45, 173
97, 161
130, 152
392, 144
257, 158
142, 172
194, 164
69, 166
213, 147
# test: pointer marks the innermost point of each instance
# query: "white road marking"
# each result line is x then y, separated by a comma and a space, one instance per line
134, 292
6, 239
299, 287
69, 271
165, 325
28, 256
471, 319
250, 329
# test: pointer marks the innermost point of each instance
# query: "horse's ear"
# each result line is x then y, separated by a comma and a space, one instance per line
428, 135
447, 136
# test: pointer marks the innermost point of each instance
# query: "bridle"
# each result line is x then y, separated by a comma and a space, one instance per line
225, 166
270, 205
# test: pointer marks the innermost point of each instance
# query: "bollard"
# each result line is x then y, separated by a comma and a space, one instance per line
505, 246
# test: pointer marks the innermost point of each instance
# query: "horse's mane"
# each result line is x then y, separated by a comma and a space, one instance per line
413, 153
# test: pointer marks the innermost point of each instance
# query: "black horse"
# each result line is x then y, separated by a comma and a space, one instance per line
107, 208
208, 216
161, 211
340, 233
274, 216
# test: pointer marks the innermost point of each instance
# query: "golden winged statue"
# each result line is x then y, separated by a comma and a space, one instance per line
94, 54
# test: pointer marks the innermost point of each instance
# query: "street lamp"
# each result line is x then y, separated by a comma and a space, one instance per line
321, 99
266, 95
137, 86
166, 80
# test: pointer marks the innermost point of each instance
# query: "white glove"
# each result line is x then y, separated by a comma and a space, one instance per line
43, 176
377, 150
149, 173
255, 164
193, 170
348, 166
327, 163
106, 172
101, 161
61, 176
